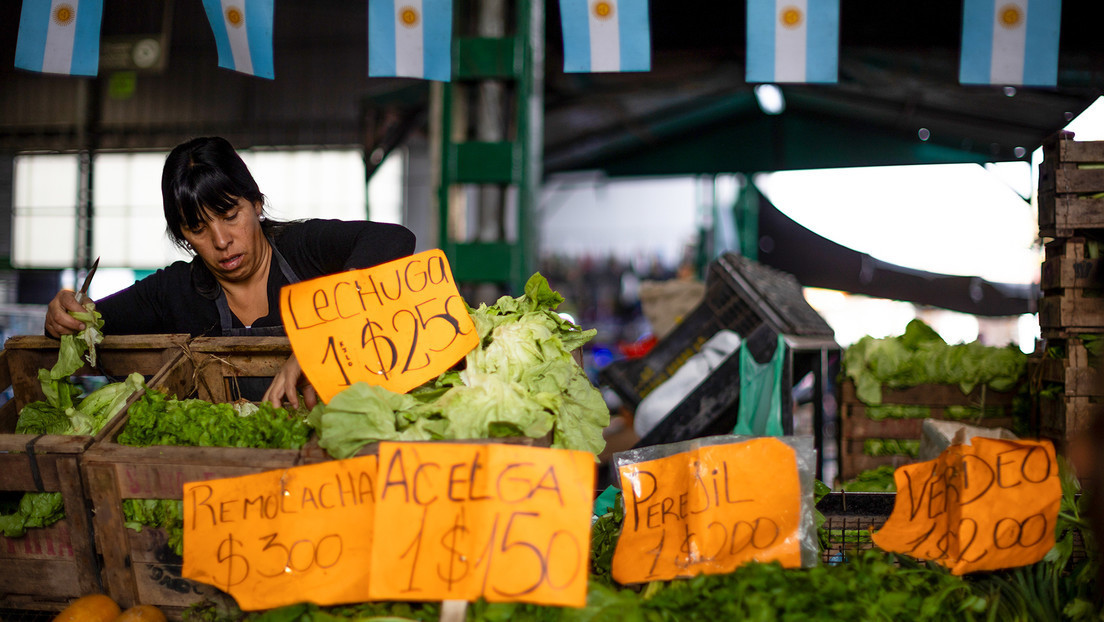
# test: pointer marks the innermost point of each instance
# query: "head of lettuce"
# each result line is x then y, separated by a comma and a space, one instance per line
521, 380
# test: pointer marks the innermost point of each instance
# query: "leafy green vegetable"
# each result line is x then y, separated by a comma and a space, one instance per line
167, 514
920, 356
157, 419
36, 509
520, 381
878, 479
891, 447
58, 415
42, 418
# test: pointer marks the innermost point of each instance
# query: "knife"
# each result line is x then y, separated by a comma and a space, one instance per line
82, 293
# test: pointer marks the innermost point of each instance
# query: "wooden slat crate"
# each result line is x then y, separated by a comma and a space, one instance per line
1077, 371
1072, 263
857, 427
139, 567
1063, 418
1070, 180
1066, 312
45, 568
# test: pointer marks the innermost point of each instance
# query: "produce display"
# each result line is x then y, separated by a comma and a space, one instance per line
520, 381
967, 382
920, 356
869, 585
523, 381
59, 413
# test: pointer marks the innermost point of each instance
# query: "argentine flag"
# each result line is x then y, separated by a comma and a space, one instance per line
410, 38
60, 36
243, 35
606, 35
793, 41
1010, 42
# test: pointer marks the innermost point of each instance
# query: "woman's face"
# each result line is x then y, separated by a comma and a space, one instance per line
231, 244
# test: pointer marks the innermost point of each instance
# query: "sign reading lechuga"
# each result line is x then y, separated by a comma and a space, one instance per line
395, 325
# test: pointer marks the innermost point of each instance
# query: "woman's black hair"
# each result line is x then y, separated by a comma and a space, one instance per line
203, 174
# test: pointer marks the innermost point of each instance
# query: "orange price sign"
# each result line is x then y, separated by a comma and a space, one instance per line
709, 510
492, 521
395, 325
283, 537
984, 506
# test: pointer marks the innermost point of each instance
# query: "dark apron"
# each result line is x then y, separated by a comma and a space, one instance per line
250, 387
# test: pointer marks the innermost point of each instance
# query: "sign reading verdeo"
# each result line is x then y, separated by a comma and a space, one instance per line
283, 537
492, 521
984, 506
708, 511
396, 325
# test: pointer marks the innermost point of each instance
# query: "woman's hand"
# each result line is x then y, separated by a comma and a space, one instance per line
286, 385
58, 320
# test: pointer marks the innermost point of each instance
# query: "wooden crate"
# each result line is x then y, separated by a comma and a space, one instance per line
1064, 418
48, 566
139, 567
1070, 182
1063, 313
1077, 371
1072, 263
857, 427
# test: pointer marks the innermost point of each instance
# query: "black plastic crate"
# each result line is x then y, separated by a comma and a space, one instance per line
741, 295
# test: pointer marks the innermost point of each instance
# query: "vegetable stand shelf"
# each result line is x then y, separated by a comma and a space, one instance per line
139, 567
47, 566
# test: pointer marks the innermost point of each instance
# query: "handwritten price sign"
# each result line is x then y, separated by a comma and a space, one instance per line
499, 522
984, 506
283, 537
396, 325
708, 511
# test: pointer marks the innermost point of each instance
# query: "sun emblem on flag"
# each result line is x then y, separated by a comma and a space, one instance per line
791, 17
235, 17
409, 17
1010, 16
603, 9
64, 14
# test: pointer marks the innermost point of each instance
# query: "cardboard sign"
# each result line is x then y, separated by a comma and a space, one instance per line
984, 506
396, 325
708, 511
468, 521
283, 537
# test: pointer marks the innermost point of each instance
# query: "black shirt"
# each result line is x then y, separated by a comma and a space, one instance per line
181, 297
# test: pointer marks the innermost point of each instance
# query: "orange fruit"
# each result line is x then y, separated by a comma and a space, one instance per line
90, 608
141, 613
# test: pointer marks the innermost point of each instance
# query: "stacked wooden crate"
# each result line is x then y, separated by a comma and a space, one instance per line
139, 567
861, 427
1071, 312
47, 566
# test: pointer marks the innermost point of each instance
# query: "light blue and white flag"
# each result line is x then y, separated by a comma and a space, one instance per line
1010, 42
606, 35
60, 36
793, 41
410, 38
243, 35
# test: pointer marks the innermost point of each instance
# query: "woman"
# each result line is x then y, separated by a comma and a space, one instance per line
215, 210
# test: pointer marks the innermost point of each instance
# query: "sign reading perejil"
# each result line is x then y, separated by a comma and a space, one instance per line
284, 536
984, 506
395, 325
709, 510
